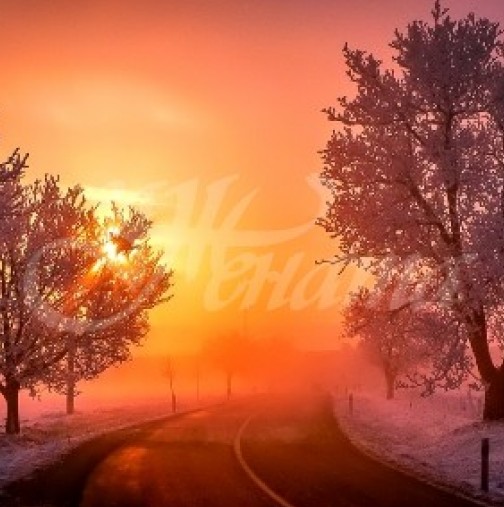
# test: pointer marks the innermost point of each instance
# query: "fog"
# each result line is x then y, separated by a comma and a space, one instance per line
198, 379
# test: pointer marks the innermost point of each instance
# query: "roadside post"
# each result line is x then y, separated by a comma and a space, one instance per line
485, 454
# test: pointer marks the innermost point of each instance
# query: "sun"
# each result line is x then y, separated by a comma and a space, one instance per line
115, 250
110, 247
110, 250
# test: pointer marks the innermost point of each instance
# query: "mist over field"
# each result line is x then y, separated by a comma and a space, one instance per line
144, 380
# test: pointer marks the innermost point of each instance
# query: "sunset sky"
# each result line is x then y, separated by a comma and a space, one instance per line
192, 108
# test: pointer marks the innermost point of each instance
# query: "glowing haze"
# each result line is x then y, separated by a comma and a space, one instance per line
207, 116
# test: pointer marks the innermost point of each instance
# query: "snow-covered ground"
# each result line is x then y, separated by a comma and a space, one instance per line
438, 438
47, 435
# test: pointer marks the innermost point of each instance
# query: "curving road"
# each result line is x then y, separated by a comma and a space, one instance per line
300, 452
188, 461
184, 462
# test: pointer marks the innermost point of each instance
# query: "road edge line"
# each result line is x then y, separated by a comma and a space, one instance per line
251, 474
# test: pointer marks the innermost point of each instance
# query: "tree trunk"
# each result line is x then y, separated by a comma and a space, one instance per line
390, 373
70, 387
229, 382
70, 398
390, 381
494, 397
491, 375
11, 395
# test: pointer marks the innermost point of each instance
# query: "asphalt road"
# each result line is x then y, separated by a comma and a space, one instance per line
301, 453
188, 461
183, 462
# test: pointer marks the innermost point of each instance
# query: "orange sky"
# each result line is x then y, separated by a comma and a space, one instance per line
156, 103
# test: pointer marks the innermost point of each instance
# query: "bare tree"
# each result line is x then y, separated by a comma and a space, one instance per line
230, 353
170, 373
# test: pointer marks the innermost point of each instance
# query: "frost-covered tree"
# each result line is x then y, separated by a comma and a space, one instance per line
62, 299
416, 173
108, 314
231, 353
400, 340
384, 335
11, 172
